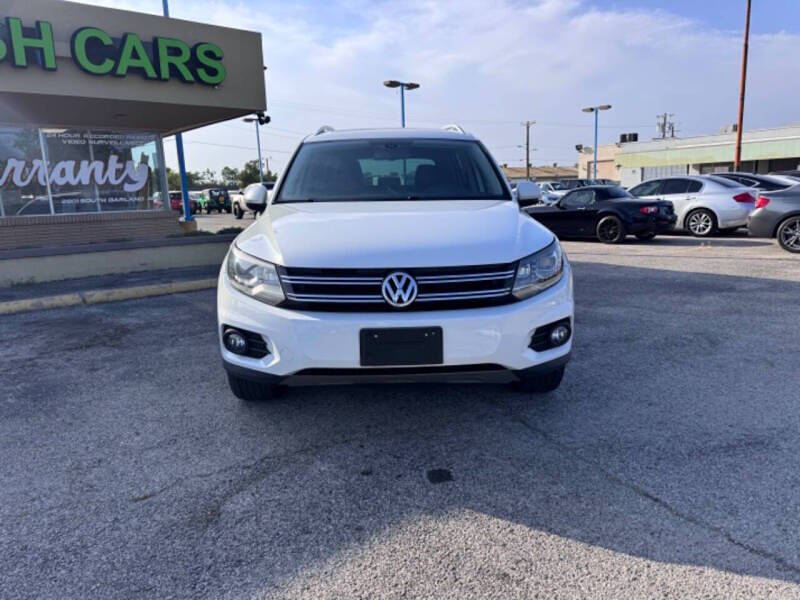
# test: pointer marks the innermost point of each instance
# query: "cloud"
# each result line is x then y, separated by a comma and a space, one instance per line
491, 65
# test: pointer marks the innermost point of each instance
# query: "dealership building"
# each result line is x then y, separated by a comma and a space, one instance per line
87, 95
763, 151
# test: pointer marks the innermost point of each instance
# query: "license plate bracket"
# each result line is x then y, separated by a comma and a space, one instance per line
401, 346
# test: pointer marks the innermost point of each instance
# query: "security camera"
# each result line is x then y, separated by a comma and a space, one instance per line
579, 147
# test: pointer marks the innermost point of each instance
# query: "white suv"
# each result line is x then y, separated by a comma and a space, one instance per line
394, 255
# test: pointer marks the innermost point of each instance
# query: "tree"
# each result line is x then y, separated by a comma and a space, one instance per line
230, 176
173, 179
249, 173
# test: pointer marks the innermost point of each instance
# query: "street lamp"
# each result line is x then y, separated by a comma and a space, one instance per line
393, 83
595, 110
257, 121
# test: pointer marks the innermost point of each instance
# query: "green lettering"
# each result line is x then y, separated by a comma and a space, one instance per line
81, 57
210, 55
20, 44
167, 58
132, 55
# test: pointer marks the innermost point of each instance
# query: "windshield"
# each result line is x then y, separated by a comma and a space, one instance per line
618, 192
391, 170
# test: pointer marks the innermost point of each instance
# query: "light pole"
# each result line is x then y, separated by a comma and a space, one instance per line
393, 83
595, 110
258, 141
187, 213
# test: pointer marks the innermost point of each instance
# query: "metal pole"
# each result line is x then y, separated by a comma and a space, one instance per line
46, 166
595, 143
737, 160
187, 213
527, 150
258, 141
402, 105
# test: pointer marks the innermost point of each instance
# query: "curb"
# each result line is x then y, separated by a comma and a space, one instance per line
101, 296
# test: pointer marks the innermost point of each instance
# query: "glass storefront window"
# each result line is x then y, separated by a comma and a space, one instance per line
64, 171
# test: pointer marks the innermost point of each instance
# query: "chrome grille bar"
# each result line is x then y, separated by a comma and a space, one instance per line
464, 278
464, 295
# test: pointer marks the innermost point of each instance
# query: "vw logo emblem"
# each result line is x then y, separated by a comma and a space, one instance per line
399, 289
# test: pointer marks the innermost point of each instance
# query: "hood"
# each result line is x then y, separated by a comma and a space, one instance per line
393, 234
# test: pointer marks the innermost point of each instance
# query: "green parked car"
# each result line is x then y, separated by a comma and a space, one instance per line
214, 199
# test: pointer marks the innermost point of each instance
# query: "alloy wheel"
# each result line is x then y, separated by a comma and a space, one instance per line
700, 223
789, 235
610, 230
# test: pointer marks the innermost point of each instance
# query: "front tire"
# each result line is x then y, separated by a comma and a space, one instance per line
237, 212
701, 223
610, 230
251, 391
541, 384
789, 234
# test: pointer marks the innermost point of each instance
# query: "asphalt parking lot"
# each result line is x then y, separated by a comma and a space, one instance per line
666, 464
216, 221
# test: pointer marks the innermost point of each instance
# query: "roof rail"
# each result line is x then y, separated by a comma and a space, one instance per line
454, 128
324, 129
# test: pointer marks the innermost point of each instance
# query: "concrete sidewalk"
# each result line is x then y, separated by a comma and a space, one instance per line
106, 288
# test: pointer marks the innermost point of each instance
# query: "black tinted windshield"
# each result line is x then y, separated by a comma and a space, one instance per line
616, 192
391, 170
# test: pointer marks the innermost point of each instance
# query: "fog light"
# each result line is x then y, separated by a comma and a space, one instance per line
234, 341
559, 335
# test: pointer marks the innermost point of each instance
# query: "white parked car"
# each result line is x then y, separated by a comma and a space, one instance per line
552, 192
394, 255
704, 204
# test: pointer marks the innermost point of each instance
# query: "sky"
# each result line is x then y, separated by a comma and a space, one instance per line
490, 65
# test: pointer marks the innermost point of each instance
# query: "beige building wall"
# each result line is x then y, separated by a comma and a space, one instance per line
606, 163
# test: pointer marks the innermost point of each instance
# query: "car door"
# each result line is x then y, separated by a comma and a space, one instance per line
546, 214
681, 192
576, 213
648, 190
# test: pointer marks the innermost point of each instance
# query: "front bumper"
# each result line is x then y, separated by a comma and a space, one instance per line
299, 341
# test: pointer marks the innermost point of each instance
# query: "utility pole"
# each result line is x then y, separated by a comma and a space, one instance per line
737, 160
527, 125
666, 125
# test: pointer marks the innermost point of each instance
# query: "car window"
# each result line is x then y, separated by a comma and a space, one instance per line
648, 188
694, 186
724, 182
743, 180
578, 199
614, 191
392, 169
676, 186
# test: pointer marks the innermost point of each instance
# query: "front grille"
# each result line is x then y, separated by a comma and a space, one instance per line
439, 288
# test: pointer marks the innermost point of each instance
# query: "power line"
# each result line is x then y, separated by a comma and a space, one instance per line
250, 148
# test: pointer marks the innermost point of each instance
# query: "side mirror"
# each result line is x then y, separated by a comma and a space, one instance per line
256, 194
528, 193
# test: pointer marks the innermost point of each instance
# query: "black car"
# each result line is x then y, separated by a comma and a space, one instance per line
606, 212
777, 215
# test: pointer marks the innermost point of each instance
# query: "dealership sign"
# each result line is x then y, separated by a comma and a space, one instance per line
114, 172
98, 53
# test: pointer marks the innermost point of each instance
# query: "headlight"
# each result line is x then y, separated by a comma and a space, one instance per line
539, 271
254, 277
